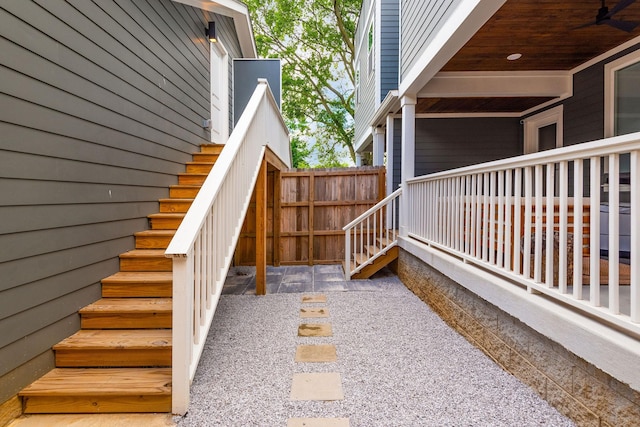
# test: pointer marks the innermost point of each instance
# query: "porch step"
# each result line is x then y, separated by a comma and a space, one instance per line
115, 348
165, 221
127, 313
175, 205
192, 178
145, 260
184, 191
94, 390
154, 239
199, 167
138, 284
377, 265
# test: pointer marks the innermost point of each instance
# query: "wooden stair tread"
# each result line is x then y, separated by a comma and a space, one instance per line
211, 148
97, 339
143, 253
156, 233
101, 381
168, 215
129, 305
140, 277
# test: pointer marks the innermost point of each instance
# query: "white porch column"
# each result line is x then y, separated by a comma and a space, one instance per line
408, 168
358, 160
378, 146
390, 123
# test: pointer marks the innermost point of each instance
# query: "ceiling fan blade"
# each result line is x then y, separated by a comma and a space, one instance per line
627, 26
622, 4
584, 25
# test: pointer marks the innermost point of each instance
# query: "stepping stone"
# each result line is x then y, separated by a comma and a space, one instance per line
315, 330
316, 353
318, 422
314, 312
317, 386
313, 298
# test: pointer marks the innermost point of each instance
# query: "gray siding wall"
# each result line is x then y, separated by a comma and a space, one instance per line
420, 22
584, 111
101, 105
365, 105
450, 143
389, 46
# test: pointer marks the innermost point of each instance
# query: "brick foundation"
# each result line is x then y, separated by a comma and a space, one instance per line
576, 388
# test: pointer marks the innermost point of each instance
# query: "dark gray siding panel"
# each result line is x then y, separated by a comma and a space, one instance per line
397, 153
584, 112
389, 46
101, 104
443, 144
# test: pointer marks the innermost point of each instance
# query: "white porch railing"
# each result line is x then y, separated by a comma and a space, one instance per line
375, 227
517, 218
203, 246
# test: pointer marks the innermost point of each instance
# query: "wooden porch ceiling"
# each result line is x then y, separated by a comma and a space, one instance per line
545, 33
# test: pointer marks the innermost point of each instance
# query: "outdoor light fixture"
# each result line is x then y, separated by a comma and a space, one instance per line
211, 32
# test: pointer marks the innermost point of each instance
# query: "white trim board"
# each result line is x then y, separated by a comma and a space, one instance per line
241, 19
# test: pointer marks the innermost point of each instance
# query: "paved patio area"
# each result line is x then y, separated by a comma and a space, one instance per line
300, 278
319, 351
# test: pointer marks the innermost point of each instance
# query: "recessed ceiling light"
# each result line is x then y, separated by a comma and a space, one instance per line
514, 56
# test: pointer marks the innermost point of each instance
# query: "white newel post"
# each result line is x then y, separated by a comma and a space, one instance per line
358, 160
408, 169
182, 332
378, 146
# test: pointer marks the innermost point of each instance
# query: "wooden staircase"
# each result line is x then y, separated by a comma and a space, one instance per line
120, 360
372, 267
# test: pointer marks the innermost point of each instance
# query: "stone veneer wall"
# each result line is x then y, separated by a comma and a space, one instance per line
576, 388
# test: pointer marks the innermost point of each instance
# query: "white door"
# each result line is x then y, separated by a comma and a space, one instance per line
219, 94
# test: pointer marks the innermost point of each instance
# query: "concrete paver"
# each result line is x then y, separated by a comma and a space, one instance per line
315, 330
317, 386
316, 353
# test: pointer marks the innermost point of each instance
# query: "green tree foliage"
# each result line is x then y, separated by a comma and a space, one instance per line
315, 40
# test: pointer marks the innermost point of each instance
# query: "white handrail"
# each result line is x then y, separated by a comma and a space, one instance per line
518, 217
203, 246
374, 227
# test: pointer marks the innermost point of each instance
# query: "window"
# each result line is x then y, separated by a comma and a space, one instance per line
370, 49
622, 95
357, 88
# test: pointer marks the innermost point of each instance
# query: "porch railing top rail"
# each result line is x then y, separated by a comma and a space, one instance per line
603, 147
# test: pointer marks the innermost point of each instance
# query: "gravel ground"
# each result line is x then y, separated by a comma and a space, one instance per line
401, 365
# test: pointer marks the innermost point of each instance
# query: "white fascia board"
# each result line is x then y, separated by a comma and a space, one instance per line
361, 144
240, 14
604, 347
390, 104
498, 84
468, 17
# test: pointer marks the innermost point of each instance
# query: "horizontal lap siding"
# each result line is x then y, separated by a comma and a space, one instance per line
101, 104
443, 144
421, 20
389, 47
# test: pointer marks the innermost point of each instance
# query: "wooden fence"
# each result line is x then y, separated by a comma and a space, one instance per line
313, 206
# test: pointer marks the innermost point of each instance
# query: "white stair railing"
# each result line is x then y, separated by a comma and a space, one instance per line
203, 246
375, 227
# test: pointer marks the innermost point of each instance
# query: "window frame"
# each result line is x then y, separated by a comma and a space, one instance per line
610, 70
